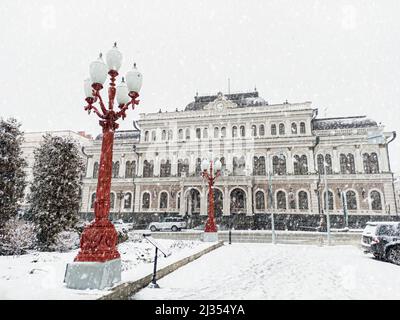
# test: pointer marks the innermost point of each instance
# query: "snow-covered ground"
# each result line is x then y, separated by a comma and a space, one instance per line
266, 271
40, 275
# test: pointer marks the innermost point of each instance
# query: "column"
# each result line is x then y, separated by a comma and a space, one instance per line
335, 160
227, 202
311, 162
289, 162
203, 201
249, 202
358, 160
137, 198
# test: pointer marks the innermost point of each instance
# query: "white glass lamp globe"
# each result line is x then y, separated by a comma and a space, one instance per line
204, 165
98, 71
87, 85
114, 58
134, 80
217, 165
122, 93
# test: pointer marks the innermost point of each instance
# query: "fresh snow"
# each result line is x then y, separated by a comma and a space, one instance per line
40, 275
266, 271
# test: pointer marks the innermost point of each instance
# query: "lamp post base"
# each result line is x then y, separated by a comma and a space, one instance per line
93, 275
209, 237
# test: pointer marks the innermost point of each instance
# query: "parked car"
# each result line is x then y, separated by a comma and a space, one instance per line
382, 239
171, 223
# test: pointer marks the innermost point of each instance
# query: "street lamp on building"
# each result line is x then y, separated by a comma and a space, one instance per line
210, 174
98, 262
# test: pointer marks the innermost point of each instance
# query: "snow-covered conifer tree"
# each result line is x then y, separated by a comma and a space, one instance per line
55, 189
12, 175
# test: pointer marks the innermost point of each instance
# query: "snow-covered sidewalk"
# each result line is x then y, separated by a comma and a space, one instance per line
266, 271
40, 275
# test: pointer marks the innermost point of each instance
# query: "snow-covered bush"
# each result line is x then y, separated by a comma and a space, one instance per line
16, 237
66, 241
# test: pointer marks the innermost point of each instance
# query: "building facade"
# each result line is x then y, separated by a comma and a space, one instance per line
276, 158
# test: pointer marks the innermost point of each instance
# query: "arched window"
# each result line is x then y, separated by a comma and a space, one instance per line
371, 164
281, 200
260, 200
330, 200
216, 132
92, 200
281, 129
238, 201
347, 164
303, 200
223, 132
170, 135
127, 200
163, 135
146, 136
351, 200
163, 200
239, 165
253, 130
242, 131
148, 169
193, 199
279, 165
180, 134
294, 128
302, 128
112, 200
376, 201
273, 130
165, 168
115, 169
183, 166
300, 165
234, 131
96, 170
261, 130
198, 166
223, 167
259, 166
187, 135
130, 169
198, 133
153, 136
146, 200
205, 133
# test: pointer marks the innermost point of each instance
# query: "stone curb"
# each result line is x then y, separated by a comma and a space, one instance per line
126, 290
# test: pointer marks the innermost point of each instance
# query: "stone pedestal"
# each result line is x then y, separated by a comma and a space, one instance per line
93, 275
209, 237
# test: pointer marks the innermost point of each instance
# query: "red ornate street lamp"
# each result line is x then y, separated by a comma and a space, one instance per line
208, 175
99, 239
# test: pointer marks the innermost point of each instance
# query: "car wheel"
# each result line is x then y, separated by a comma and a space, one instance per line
174, 228
377, 256
153, 229
393, 255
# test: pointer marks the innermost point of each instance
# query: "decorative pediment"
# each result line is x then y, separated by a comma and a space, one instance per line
220, 103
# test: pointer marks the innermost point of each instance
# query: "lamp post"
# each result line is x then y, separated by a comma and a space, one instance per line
98, 258
210, 230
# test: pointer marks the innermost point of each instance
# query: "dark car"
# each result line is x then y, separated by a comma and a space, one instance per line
382, 239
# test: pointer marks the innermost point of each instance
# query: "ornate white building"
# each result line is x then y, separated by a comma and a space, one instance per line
157, 167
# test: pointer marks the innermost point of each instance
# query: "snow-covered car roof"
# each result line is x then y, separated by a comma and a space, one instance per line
375, 223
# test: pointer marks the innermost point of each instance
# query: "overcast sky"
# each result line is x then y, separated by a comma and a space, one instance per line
344, 56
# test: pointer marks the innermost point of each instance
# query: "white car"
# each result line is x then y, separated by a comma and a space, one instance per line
172, 223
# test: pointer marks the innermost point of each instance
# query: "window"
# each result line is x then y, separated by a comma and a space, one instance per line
279, 165
261, 130
165, 168
239, 166
180, 134
238, 201
187, 134
281, 200
92, 200
371, 164
303, 200
259, 166
376, 202
300, 165
170, 135
351, 200
302, 128
281, 129
322, 165
223, 167
198, 133
96, 170
148, 169
330, 200
146, 136
253, 130
163, 135
273, 130
223, 132
234, 132
260, 200
205, 133
112, 200
294, 128
347, 164
128, 200
163, 200
183, 166
146, 200
198, 166
130, 169
115, 169
153, 136
216, 132
242, 131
